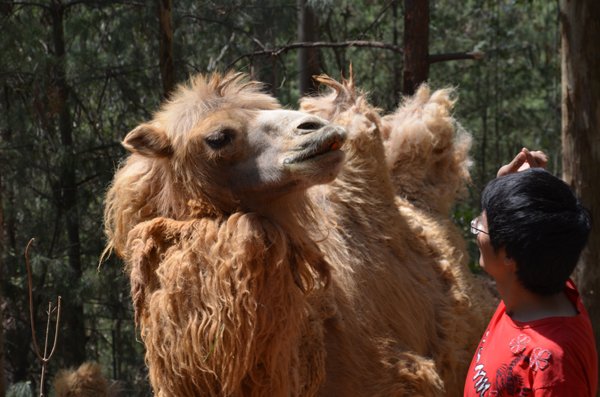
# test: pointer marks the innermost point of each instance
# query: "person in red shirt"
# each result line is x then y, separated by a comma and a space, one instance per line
540, 340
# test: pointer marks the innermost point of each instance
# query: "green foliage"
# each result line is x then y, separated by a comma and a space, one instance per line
510, 98
104, 102
507, 100
21, 389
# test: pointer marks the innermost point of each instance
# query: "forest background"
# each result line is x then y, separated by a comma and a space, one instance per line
76, 76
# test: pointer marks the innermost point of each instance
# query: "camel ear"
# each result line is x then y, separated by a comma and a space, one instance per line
148, 140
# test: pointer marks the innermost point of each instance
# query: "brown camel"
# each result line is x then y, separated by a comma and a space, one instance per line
276, 252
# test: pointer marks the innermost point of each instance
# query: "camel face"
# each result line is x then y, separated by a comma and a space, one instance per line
244, 157
286, 151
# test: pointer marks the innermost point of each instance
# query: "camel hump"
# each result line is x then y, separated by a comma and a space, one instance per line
427, 150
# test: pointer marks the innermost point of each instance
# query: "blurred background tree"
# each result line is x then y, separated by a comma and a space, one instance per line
581, 135
76, 76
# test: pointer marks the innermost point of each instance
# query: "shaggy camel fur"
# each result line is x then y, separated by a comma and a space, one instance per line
275, 253
86, 381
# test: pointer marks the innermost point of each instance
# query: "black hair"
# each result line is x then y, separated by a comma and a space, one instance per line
541, 224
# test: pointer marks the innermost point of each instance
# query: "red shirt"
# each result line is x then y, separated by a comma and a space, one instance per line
554, 356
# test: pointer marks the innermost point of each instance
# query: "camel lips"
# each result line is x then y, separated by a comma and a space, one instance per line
308, 156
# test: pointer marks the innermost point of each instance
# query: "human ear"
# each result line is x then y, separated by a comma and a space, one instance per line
148, 140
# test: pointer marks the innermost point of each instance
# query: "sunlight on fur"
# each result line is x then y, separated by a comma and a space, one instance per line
275, 252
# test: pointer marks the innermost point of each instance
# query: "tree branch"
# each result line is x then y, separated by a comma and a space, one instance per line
41, 194
21, 3
131, 3
45, 358
356, 43
254, 39
86, 180
54, 236
454, 56
376, 19
75, 2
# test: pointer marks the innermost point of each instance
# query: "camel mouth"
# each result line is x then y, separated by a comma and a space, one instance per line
316, 148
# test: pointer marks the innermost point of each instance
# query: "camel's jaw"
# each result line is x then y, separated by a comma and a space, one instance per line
322, 147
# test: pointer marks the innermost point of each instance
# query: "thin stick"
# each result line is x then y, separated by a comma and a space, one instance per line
214, 344
375, 21
43, 359
31, 300
46, 347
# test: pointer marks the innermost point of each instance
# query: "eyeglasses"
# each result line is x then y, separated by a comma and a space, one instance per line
476, 225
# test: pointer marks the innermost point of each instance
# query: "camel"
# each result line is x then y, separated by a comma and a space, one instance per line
85, 381
275, 252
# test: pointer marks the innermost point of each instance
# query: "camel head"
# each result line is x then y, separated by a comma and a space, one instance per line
225, 146
219, 175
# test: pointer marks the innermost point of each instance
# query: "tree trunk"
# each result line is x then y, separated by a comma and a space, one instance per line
308, 61
416, 44
2, 377
397, 71
581, 134
74, 339
167, 61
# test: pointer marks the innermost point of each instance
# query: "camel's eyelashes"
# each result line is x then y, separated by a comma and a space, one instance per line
310, 126
220, 139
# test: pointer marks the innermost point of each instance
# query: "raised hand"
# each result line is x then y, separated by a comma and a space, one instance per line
524, 160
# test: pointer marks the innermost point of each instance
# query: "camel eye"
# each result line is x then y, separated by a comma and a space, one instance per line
310, 126
220, 139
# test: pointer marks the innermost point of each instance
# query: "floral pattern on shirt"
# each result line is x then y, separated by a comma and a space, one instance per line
539, 359
519, 344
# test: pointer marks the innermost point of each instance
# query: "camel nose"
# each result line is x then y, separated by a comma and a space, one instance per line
309, 127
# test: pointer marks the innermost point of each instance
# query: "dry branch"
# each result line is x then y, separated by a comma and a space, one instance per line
355, 43
376, 19
43, 359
